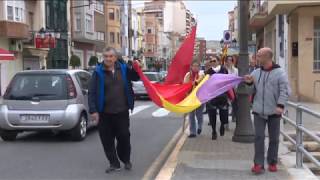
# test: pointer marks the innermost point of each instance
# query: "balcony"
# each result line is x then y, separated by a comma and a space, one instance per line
15, 30
259, 16
284, 7
150, 7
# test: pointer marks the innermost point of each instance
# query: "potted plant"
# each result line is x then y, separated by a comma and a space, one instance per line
75, 61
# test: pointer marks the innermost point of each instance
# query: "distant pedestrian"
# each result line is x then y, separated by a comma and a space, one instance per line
253, 64
219, 103
270, 97
110, 98
195, 76
232, 70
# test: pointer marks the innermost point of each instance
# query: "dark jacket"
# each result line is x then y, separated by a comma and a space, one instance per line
96, 88
222, 100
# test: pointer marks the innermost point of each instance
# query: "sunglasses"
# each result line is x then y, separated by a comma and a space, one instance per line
213, 61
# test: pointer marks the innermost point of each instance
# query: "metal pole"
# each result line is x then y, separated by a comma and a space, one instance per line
244, 128
129, 30
299, 138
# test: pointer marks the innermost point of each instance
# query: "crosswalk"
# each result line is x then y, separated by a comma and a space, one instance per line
152, 109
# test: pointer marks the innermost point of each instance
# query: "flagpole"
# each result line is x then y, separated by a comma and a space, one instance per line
244, 128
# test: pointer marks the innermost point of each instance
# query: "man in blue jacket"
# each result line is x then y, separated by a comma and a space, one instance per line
110, 98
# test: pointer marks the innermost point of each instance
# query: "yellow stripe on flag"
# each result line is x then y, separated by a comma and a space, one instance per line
190, 103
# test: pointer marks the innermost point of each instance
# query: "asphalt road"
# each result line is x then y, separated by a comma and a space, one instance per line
45, 156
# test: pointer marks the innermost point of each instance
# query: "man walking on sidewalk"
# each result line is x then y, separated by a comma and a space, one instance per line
110, 98
270, 97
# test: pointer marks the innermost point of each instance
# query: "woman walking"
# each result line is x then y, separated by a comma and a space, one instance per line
195, 76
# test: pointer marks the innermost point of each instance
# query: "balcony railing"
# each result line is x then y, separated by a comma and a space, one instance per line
259, 9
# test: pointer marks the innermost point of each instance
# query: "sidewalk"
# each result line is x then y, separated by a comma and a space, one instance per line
201, 158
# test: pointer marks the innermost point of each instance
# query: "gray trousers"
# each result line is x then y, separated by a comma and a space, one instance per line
192, 120
274, 133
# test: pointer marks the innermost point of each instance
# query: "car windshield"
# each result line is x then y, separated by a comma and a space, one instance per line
37, 86
153, 77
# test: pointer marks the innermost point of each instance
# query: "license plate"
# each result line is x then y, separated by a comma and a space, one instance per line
34, 117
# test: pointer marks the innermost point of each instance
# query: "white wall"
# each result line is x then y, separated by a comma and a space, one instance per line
174, 17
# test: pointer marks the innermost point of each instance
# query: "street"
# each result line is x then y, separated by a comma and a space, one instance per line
44, 156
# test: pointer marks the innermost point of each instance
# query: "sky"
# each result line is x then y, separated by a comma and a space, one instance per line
212, 16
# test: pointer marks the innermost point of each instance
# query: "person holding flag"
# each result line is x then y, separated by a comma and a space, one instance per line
195, 76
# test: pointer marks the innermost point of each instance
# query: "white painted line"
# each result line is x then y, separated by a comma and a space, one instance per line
139, 108
161, 112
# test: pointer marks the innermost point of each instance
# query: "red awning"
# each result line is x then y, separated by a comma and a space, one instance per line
6, 55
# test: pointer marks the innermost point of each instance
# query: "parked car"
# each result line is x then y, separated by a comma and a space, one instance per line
138, 87
163, 75
54, 100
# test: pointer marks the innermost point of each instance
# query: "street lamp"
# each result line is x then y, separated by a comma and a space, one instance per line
244, 128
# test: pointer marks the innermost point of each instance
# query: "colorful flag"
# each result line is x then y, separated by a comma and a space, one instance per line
182, 60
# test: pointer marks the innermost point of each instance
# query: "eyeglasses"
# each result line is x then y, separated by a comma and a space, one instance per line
213, 61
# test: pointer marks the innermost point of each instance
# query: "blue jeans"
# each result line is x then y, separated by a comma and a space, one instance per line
192, 119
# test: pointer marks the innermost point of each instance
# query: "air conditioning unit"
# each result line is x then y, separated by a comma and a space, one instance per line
16, 45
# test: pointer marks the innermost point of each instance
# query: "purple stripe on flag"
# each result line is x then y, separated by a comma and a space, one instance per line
216, 85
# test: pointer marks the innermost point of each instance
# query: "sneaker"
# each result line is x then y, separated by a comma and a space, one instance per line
192, 136
112, 169
257, 169
273, 168
199, 131
128, 166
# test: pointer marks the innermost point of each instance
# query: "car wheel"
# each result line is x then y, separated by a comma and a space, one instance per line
79, 133
8, 135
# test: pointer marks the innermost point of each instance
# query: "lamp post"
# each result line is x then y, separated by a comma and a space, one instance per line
244, 128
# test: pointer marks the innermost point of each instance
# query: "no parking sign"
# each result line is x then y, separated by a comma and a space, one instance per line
227, 36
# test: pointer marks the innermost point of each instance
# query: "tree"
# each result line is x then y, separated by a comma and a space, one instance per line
93, 60
75, 61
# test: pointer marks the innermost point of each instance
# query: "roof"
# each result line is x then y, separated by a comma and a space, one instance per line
52, 71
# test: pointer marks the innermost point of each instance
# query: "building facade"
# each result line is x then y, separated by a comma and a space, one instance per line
13, 29
113, 25
291, 29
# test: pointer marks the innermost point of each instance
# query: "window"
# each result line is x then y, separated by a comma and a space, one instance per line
118, 38
149, 31
78, 22
111, 13
17, 14
31, 22
83, 80
99, 6
118, 15
100, 36
89, 23
112, 38
40, 86
10, 13
316, 51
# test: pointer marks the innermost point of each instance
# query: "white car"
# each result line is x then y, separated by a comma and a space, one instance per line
138, 87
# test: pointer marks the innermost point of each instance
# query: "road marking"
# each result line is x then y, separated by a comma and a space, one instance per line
139, 108
160, 112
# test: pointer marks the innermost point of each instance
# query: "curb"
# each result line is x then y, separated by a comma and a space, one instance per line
158, 164
288, 160
168, 168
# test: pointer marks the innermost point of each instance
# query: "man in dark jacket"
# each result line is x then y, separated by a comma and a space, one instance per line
110, 98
